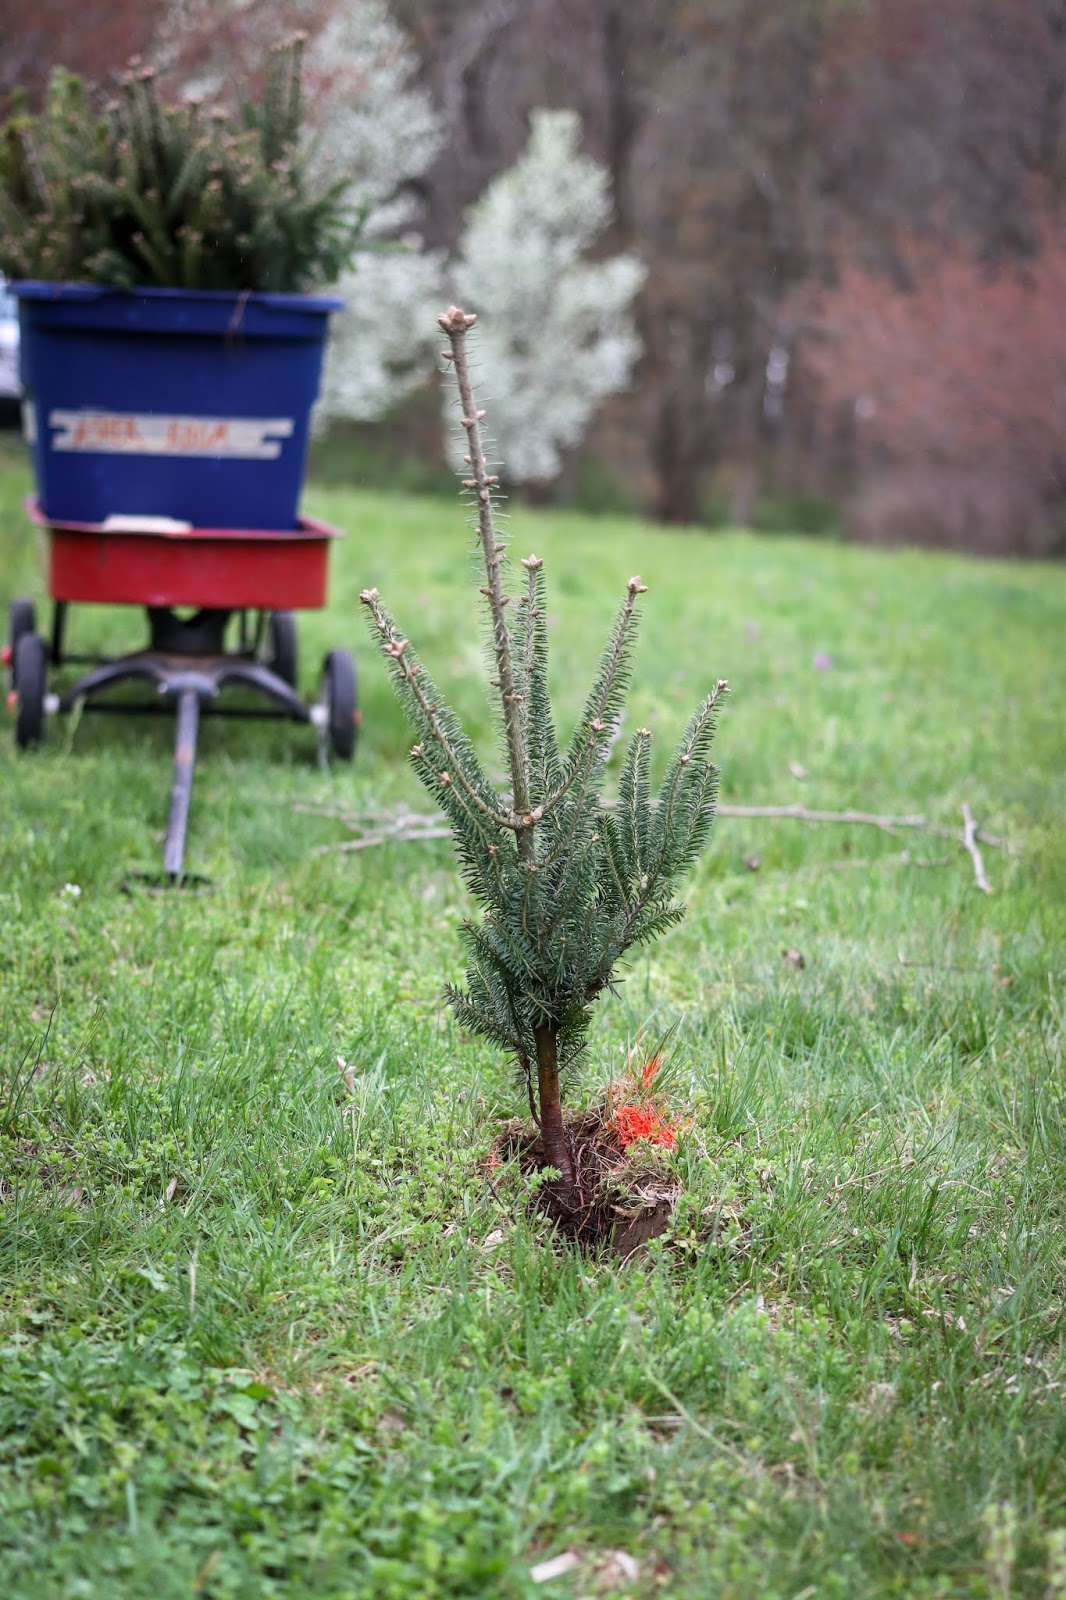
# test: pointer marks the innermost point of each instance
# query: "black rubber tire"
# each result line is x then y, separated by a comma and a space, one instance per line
21, 619
31, 672
339, 696
281, 653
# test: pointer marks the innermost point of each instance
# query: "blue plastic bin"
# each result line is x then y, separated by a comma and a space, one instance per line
191, 404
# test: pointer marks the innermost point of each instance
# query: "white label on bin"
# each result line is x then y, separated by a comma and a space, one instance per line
127, 433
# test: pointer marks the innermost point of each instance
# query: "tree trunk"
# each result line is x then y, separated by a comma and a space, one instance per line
552, 1132
680, 450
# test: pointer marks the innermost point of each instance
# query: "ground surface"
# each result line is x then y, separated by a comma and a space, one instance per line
264, 1328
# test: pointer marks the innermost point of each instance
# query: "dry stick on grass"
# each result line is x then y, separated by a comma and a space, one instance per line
794, 813
408, 827
969, 843
404, 830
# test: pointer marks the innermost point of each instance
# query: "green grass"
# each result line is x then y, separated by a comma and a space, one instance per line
268, 1332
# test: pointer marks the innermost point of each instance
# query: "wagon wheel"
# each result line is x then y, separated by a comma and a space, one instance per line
340, 703
281, 653
31, 671
21, 619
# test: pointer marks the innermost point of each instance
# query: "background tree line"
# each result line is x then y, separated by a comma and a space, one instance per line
849, 216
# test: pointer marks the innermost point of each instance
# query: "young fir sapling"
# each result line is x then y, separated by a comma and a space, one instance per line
567, 882
137, 192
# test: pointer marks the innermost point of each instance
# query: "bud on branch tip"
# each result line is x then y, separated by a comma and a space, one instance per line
456, 321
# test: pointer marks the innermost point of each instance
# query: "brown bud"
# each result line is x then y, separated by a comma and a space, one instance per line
368, 596
455, 321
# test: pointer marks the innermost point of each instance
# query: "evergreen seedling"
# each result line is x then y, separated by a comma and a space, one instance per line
140, 192
567, 882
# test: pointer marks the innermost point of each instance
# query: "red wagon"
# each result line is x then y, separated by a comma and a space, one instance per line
196, 585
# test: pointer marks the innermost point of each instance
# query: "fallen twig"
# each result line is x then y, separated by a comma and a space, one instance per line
380, 827
969, 843
399, 835
795, 813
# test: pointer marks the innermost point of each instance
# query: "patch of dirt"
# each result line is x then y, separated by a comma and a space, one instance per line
623, 1198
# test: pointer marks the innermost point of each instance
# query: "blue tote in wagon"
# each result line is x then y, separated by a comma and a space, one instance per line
189, 404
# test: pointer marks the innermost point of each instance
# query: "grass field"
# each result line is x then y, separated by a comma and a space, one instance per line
266, 1330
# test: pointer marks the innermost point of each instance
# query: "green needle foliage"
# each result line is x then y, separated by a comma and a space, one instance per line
142, 193
568, 881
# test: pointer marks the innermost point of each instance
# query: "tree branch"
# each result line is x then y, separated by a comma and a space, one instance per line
376, 827
887, 824
582, 760
969, 843
456, 324
396, 649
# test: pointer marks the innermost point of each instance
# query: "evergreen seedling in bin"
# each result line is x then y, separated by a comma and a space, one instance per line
133, 192
566, 881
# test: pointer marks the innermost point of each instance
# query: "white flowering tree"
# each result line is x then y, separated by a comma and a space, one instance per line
368, 119
377, 124
522, 264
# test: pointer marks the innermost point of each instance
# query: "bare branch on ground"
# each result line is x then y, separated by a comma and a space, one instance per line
969, 843
381, 827
887, 824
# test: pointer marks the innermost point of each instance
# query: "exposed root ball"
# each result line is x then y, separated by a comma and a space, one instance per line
622, 1198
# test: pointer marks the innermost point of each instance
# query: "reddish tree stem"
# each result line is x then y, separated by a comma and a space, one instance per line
552, 1132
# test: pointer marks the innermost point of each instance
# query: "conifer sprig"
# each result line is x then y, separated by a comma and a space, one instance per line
134, 191
567, 881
